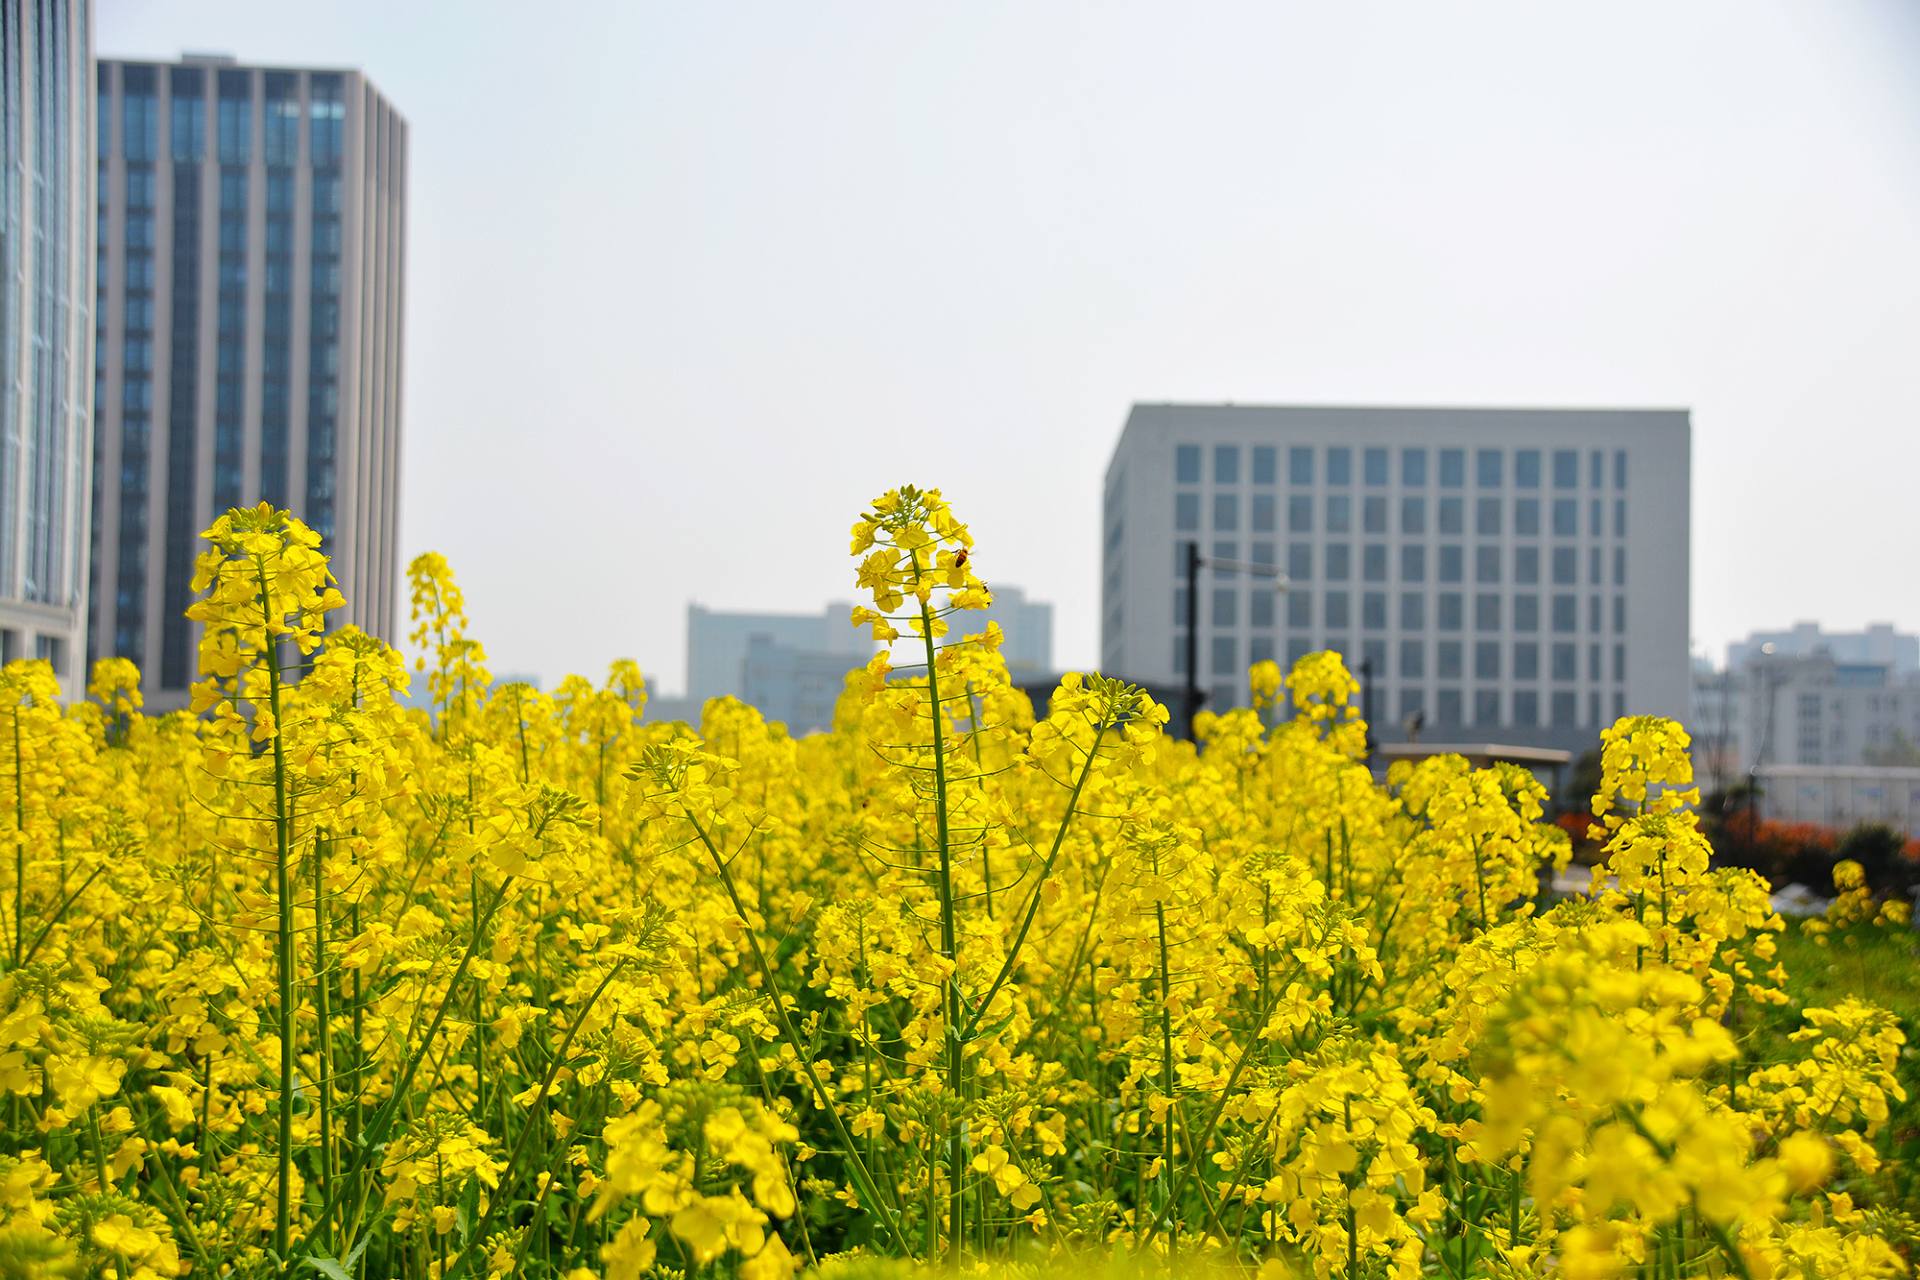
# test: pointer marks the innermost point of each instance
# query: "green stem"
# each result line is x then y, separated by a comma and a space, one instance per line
19, 844
1033, 898
375, 1133
864, 1184
949, 943
1166, 1079
323, 1009
283, 888
537, 1110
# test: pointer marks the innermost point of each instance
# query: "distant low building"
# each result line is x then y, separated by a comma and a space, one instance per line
1780, 706
796, 687
792, 666
1879, 643
1027, 626
718, 642
1843, 796
665, 707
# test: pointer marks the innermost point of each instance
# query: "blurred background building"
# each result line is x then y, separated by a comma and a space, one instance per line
792, 666
1519, 575
252, 235
1825, 723
46, 330
718, 641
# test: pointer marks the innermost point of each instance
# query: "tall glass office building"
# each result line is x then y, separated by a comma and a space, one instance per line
1509, 574
252, 236
46, 329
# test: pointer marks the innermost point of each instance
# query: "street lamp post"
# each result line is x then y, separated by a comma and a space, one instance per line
1191, 709
1192, 696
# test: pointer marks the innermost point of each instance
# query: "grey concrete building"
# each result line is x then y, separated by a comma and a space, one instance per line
252, 249
1026, 628
1878, 643
1517, 574
796, 687
46, 330
718, 642
1808, 710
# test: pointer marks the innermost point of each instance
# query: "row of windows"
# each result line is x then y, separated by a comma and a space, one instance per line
1335, 562
1490, 659
323, 332
1450, 610
1490, 515
281, 117
1529, 467
177, 572
1451, 704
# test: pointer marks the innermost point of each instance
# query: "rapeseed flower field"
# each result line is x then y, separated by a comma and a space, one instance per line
303, 982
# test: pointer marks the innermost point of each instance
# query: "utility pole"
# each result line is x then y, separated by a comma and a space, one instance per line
1193, 697
1191, 709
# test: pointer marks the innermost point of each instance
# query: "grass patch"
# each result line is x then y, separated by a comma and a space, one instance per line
1880, 964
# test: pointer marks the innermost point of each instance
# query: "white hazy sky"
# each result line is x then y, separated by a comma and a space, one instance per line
689, 283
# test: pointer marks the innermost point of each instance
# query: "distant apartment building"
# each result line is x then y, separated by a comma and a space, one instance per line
46, 331
1027, 628
1517, 574
1802, 704
792, 666
1879, 643
796, 687
252, 233
718, 641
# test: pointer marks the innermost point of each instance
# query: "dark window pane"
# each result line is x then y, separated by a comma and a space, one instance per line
1526, 517
1487, 467
1226, 464
1566, 468
1526, 468
1413, 468
1376, 466
1300, 465
1486, 564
